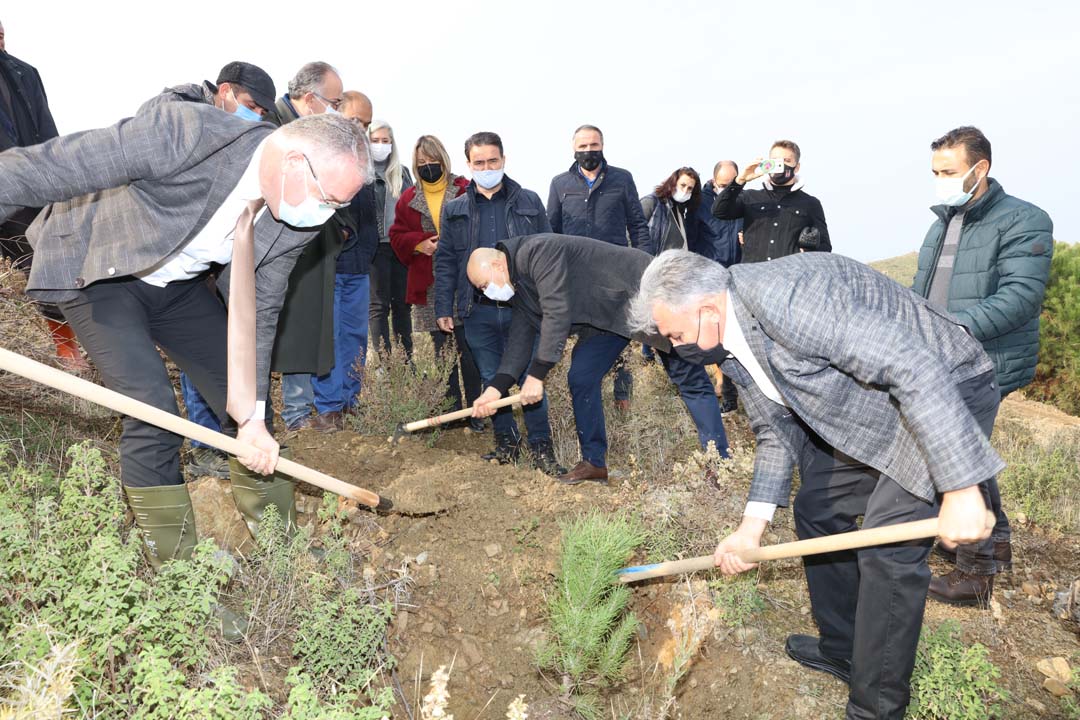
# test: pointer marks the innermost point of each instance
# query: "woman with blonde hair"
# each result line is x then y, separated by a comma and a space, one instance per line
414, 236
388, 274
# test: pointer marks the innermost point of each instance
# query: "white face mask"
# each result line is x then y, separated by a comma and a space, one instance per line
380, 152
498, 293
680, 196
308, 214
950, 190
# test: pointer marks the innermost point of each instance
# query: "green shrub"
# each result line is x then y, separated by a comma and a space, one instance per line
397, 389
589, 629
736, 597
1057, 377
953, 680
137, 644
1041, 478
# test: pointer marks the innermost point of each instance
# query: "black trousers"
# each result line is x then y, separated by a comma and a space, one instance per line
470, 374
868, 604
120, 322
388, 277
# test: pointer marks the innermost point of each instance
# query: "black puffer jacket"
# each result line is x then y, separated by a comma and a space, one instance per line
610, 211
773, 219
32, 122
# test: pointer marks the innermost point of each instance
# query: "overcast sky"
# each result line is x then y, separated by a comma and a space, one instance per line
863, 88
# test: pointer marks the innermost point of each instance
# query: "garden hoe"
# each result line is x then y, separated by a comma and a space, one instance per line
65, 382
917, 530
404, 429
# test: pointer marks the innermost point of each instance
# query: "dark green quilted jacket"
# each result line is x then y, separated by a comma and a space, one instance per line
999, 278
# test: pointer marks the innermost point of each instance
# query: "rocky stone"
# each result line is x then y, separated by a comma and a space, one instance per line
470, 651
1057, 668
1020, 518
427, 628
1031, 589
1036, 706
1055, 687
422, 558
511, 492
216, 515
995, 610
492, 549
804, 610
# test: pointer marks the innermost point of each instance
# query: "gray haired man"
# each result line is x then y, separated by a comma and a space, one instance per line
882, 401
139, 213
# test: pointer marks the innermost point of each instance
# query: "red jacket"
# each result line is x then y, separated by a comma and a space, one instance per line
412, 225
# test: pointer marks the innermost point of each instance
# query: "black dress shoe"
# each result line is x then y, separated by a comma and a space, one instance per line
805, 650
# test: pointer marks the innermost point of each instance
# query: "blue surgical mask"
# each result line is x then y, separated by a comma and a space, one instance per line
245, 113
487, 179
308, 214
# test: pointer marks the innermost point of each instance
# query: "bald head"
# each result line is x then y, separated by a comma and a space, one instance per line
724, 173
487, 265
357, 107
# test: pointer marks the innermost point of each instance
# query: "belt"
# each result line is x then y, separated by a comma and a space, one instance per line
481, 299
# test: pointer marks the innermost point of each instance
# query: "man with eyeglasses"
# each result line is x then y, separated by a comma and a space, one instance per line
305, 341
140, 212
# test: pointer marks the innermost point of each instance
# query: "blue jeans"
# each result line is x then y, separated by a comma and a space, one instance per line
594, 357
197, 410
337, 389
487, 331
297, 397
698, 393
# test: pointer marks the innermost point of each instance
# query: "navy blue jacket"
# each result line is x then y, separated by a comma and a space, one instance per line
610, 211
32, 122
716, 239
459, 236
363, 240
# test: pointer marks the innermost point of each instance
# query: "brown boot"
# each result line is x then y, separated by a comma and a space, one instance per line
330, 422
583, 471
959, 588
1002, 555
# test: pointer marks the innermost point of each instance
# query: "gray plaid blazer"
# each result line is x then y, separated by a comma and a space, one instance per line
865, 363
121, 199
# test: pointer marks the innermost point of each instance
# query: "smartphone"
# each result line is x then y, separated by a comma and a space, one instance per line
771, 166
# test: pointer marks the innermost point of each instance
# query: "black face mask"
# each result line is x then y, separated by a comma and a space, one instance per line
430, 173
696, 355
589, 159
783, 177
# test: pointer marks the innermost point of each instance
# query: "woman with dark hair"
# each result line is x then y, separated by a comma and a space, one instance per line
414, 236
671, 211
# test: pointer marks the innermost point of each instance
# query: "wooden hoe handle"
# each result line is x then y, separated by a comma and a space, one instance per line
885, 535
458, 414
65, 382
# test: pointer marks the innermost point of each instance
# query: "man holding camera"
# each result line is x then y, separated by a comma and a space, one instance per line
780, 219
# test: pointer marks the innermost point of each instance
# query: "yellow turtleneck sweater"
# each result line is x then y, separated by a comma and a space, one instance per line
434, 193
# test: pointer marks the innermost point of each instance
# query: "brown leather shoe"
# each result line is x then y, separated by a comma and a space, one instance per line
330, 422
583, 471
1002, 555
959, 588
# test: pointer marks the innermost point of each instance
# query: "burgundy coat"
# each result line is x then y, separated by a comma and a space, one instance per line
412, 225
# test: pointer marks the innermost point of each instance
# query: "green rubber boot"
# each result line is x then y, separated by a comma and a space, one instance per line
167, 520
252, 493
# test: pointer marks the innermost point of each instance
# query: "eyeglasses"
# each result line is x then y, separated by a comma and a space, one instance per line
326, 202
336, 104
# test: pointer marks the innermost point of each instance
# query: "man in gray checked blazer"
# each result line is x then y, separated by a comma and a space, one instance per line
136, 215
882, 401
